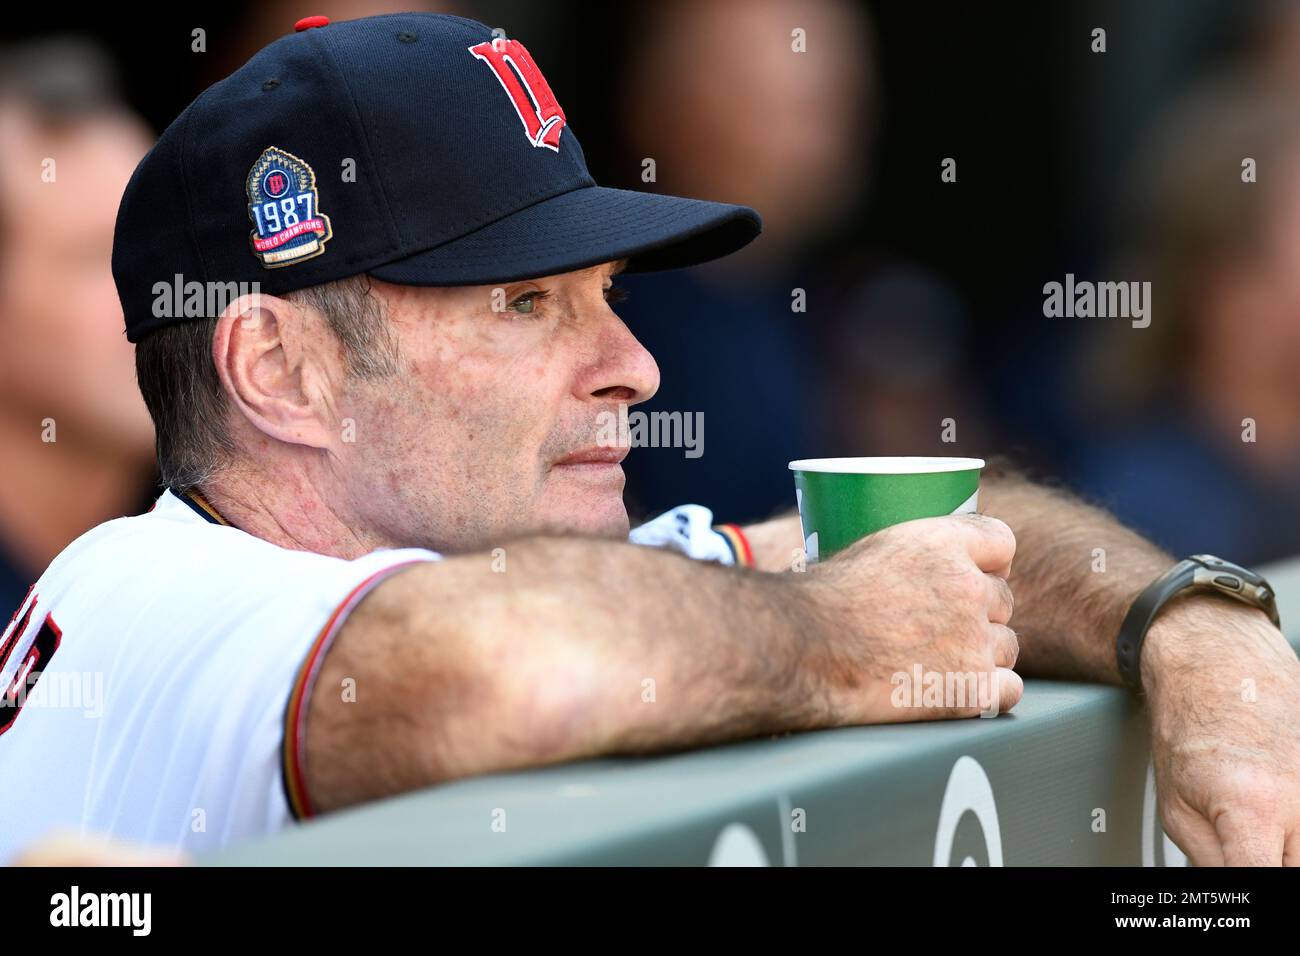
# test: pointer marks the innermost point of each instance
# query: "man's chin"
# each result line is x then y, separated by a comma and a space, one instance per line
601, 517
585, 500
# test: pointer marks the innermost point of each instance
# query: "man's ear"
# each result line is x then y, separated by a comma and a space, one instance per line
277, 369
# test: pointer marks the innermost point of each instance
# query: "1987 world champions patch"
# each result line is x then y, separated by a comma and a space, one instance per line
284, 207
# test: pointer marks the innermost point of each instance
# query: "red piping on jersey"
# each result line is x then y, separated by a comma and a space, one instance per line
295, 714
293, 746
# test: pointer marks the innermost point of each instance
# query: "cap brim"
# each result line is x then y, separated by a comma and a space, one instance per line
581, 228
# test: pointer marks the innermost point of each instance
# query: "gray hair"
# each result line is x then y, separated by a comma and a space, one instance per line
185, 397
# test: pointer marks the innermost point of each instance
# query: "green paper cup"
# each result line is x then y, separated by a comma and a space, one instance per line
844, 499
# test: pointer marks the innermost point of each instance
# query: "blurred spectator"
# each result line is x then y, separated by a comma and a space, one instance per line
1195, 421
895, 346
773, 104
75, 439
716, 96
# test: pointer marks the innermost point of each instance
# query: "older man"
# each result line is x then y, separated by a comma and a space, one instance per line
393, 550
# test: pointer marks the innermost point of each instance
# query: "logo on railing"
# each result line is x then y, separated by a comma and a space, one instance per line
968, 819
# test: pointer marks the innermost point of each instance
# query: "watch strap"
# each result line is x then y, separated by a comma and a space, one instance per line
1133, 632
1202, 572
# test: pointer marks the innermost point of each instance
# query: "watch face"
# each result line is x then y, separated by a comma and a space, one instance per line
1216, 564
1235, 581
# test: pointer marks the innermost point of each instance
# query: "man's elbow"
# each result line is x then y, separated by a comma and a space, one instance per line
407, 700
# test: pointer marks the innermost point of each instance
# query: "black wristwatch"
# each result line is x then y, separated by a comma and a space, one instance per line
1200, 572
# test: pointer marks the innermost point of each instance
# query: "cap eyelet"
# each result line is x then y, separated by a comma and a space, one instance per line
269, 85
405, 37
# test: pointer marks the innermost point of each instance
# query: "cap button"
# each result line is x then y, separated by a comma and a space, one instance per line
306, 23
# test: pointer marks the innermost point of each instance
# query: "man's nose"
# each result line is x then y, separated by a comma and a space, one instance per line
622, 370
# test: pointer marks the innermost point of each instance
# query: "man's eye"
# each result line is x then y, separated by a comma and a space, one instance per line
616, 293
526, 303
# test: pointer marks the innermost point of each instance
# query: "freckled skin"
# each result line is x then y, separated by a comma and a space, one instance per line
458, 451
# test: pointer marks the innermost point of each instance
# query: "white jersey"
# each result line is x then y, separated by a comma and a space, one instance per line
153, 682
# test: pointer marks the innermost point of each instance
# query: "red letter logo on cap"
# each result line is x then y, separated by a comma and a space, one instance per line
528, 90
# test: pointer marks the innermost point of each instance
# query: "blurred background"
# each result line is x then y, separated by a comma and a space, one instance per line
883, 311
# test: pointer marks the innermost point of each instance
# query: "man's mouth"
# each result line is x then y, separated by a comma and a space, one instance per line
595, 461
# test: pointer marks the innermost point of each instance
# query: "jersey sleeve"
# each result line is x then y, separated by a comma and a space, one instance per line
208, 660
689, 530
261, 656
367, 573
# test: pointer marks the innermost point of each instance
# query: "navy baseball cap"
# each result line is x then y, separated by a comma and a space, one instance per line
418, 148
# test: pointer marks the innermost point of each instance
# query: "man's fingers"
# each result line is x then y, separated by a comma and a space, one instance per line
1195, 836
1249, 839
1001, 603
988, 541
1010, 688
1006, 646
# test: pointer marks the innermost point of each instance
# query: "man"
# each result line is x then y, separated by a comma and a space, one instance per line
75, 438
391, 553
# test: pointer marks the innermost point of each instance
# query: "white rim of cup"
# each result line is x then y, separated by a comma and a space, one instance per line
900, 465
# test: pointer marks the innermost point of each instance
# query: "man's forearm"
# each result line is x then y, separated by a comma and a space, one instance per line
676, 652
1077, 571
577, 648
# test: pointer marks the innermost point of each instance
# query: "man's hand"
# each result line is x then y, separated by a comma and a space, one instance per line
1227, 767
932, 593
1224, 689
